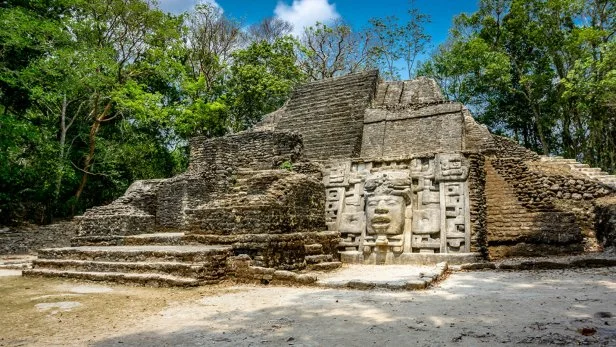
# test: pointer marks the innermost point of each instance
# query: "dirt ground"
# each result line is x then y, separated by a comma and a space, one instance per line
550, 307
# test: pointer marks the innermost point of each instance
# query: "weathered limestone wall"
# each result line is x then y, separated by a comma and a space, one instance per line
605, 210
418, 91
270, 215
477, 137
537, 191
272, 202
213, 166
152, 205
28, 238
531, 213
514, 230
132, 213
478, 203
429, 129
329, 115
257, 150
410, 118
507, 148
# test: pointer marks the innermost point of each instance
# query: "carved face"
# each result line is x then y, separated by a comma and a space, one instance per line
385, 214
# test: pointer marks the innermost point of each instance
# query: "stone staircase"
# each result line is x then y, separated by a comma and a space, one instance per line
514, 230
329, 114
157, 259
585, 169
249, 218
317, 260
152, 265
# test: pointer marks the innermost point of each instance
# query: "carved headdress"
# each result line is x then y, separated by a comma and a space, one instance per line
389, 183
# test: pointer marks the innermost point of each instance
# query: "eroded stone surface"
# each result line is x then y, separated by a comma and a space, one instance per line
394, 277
351, 169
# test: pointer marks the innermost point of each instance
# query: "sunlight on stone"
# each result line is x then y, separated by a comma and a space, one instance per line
524, 285
52, 296
62, 305
609, 285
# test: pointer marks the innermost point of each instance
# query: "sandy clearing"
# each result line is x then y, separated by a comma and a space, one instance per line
468, 309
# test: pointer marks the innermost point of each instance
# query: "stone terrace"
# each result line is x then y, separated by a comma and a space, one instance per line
351, 169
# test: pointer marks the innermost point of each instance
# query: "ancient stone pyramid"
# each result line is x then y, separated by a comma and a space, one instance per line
351, 170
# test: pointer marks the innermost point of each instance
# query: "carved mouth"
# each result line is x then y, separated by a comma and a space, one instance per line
380, 221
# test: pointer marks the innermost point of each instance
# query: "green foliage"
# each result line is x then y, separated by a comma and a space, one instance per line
262, 78
95, 95
541, 71
333, 50
287, 165
70, 65
395, 40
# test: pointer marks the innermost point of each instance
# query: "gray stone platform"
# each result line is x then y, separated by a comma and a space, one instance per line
156, 265
393, 277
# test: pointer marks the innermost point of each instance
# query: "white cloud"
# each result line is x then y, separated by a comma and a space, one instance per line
179, 6
303, 13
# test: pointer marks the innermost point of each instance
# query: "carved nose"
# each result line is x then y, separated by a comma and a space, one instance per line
381, 208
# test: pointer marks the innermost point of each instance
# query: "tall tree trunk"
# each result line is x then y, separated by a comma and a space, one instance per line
537, 120
568, 148
63, 130
92, 146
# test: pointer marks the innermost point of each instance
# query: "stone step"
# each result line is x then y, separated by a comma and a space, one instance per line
509, 217
500, 192
556, 159
314, 249
325, 266
302, 106
594, 175
320, 258
527, 225
605, 176
505, 203
145, 279
588, 170
507, 208
131, 240
317, 92
503, 195
200, 253
209, 271
509, 214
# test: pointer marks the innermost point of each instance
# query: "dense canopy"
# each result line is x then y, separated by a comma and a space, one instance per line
97, 94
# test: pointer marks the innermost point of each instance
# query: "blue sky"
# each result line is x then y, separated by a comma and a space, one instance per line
355, 12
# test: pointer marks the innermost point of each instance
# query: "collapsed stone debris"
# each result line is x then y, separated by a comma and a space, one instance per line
351, 170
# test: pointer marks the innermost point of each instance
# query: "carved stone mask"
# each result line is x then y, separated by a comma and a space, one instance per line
387, 196
385, 214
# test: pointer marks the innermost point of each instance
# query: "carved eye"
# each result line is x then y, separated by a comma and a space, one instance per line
391, 202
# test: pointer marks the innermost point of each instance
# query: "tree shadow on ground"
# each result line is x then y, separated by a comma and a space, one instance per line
469, 309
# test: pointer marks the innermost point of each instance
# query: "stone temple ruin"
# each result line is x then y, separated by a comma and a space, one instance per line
350, 170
